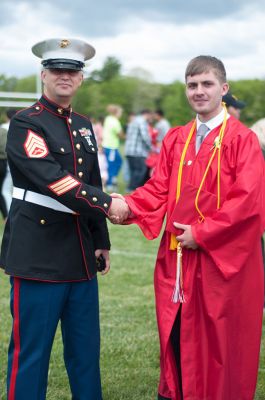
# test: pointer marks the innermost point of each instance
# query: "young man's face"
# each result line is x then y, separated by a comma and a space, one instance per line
61, 85
204, 93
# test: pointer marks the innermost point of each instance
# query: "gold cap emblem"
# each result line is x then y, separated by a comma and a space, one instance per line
64, 43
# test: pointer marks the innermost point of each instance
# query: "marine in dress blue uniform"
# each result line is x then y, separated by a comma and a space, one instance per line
57, 222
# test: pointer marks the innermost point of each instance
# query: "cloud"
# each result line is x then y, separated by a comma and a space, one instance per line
159, 36
105, 17
25, 27
166, 49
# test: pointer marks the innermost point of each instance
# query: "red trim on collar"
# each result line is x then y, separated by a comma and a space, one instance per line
55, 104
53, 112
53, 107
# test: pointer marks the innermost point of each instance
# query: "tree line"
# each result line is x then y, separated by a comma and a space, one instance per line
138, 91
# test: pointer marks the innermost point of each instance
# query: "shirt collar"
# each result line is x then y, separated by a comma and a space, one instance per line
214, 122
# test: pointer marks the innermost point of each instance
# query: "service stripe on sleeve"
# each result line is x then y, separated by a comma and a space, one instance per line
63, 185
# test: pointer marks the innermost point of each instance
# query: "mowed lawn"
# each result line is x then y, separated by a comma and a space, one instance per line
129, 341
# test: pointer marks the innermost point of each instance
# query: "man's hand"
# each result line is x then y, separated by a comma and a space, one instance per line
105, 254
117, 196
186, 239
119, 210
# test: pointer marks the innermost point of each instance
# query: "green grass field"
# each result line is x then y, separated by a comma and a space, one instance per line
129, 341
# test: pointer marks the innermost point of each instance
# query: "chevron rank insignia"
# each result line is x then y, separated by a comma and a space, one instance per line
35, 146
63, 185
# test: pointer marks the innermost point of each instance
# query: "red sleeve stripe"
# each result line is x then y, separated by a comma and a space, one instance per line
63, 185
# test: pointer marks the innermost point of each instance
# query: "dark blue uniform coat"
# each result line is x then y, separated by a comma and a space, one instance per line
53, 151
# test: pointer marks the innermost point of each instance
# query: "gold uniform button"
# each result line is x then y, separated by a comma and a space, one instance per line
37, 108
62, 149
74, 133
78, 146
189, 162
105, 205
83, 193
80, 174
80, 160
69, 120
60, 110
95, 199
42, 221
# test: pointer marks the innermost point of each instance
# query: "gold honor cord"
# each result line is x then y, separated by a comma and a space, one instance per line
217, 146
178, 294
173, 240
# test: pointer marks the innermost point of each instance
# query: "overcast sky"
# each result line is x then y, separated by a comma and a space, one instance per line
160, 36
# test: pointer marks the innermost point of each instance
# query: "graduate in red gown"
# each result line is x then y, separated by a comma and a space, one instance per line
209, 271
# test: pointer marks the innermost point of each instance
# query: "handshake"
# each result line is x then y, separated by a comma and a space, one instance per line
119, 210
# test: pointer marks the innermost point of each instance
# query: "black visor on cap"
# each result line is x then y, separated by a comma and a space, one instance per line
63, 63
232, 101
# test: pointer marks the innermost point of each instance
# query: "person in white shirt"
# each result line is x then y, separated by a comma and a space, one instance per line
112, 133
8, 184
162, 125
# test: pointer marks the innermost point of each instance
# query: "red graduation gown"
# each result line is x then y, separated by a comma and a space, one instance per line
221, 320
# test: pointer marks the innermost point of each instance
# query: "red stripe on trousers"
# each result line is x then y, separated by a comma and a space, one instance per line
16, 338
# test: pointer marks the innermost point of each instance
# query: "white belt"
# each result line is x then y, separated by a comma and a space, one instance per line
40, 199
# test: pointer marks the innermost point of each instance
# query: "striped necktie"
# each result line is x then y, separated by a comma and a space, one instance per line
201, 132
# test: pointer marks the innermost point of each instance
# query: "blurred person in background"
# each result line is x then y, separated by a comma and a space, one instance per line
152, 157
112, 133
137, 148
97, 125
3, 171
259, 128
233, 105
125, 164
8, 184
157, 132
162, 125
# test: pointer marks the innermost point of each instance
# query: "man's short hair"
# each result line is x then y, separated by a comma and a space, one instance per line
201, 64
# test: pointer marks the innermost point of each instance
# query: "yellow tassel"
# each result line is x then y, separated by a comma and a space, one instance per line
173, 240
178, 294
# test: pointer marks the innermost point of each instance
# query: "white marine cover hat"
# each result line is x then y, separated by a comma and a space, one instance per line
63, 53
